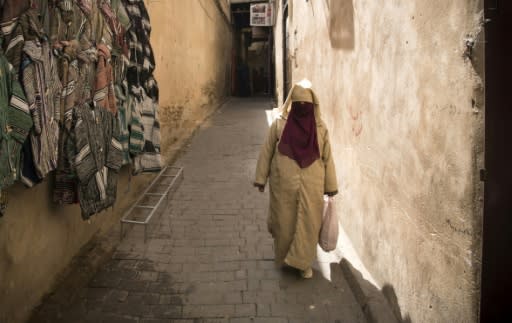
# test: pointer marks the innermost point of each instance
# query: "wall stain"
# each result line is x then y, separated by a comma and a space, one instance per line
341, 24
357, 122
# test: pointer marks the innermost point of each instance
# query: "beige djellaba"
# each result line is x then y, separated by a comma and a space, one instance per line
296, 194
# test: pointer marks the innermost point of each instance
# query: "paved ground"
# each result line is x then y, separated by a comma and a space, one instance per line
209, 257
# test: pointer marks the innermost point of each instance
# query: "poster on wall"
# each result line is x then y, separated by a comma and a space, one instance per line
262, 14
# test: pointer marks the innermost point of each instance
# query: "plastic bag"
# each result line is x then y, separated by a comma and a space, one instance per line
329, 231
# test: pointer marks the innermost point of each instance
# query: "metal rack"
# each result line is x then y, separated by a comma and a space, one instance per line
159, 189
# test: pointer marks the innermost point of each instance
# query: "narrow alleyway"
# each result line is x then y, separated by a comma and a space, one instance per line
209, 257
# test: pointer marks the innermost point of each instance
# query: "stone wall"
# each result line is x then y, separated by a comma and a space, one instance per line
402, 96
192, 44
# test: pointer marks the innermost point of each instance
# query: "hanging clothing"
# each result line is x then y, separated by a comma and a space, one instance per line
104, 95
99, 33
142, 59
130, 126
11, 9
15, 124
147, 156
142, 87
16, 31
119, 22
70, 36
96, 155
70, 33
114, 17
296, 194
43, 88
43, 7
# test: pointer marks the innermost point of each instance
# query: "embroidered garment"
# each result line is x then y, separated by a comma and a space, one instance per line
96, 155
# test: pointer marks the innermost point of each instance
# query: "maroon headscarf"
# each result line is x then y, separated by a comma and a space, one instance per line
299, 139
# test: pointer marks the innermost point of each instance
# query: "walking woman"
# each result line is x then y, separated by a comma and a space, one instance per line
297, 162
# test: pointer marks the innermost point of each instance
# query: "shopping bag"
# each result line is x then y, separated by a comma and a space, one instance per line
329, 230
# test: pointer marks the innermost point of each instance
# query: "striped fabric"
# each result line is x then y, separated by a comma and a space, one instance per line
12, 9
149, 159
13, 41
104, 95
143, 91
142, 60
15, 123
96, 155
117, 29
69, 24
16, 31
43, 88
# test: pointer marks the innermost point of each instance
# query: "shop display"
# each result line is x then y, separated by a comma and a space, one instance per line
80, 99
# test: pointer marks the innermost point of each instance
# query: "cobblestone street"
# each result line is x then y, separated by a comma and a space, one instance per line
208, 257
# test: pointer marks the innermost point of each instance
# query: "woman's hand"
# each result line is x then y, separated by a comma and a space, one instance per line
331, 194
260, 187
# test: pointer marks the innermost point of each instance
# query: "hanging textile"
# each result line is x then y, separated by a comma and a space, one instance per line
70, 33
42, 87
78, 74
104, 89
16, 31
144, 90
95, 152
15, 123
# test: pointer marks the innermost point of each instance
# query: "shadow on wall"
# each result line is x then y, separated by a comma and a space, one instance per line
377, 305
341, 24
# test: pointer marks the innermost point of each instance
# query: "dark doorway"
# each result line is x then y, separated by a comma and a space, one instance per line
253, 66
496, 292
286, 57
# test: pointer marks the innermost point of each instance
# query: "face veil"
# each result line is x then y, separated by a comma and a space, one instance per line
299, 139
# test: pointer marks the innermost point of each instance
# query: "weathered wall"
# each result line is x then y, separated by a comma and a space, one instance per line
192, 43
404, 109
38, 240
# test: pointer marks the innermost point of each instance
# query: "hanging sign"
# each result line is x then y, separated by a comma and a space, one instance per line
262, 14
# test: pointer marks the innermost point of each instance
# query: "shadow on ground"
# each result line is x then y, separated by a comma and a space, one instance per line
377, 305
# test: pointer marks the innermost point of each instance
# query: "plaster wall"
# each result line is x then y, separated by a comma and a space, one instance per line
192, 44
38, 240
404, 106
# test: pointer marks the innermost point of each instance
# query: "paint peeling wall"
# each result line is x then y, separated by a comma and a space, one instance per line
192, 44
404, 105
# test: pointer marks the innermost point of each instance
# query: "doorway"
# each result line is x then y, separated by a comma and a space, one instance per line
253, 63
287, 77
496, 285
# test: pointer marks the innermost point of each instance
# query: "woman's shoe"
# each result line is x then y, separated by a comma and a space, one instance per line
308, 273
